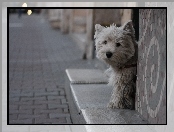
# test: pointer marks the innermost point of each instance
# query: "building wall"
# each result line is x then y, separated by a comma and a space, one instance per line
151, 68
126, 15
106, 17
170, 66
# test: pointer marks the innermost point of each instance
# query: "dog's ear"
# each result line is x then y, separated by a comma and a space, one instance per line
128, 27
98, 29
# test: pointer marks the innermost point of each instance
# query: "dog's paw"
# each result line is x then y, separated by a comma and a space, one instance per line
113, 105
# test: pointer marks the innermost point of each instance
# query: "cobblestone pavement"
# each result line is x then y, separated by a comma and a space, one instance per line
38, 57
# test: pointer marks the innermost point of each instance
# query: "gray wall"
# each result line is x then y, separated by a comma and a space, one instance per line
151, 69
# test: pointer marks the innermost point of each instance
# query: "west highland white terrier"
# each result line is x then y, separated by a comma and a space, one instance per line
117, 47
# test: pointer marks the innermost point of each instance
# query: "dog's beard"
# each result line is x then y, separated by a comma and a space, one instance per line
116, 60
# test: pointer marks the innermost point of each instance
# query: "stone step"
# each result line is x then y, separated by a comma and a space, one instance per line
112, 116
81, 76
91, 101
86, 76
88, 95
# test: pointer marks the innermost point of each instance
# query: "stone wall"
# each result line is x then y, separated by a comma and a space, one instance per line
151, 68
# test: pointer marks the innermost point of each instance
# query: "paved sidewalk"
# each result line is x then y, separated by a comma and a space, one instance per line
38, 57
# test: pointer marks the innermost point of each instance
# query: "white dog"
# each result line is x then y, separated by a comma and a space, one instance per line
117, 47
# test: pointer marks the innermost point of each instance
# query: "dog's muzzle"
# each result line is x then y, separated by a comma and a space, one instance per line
108, 54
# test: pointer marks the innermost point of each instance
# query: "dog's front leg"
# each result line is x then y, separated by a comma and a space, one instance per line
116, 100
123, 97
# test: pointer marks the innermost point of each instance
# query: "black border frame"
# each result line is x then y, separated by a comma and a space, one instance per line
8, 8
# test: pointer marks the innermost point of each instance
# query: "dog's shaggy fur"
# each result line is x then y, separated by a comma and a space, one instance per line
117, 47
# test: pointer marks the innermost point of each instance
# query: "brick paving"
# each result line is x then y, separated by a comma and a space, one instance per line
38, 57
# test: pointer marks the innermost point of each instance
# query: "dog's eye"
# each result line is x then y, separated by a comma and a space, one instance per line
105, 42
118, 44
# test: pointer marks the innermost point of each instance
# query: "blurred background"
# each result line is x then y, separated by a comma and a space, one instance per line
43, 42
79, 23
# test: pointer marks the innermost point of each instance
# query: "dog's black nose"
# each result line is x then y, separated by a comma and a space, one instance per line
108, 54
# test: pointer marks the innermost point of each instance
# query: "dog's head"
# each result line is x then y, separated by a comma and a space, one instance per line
115, 45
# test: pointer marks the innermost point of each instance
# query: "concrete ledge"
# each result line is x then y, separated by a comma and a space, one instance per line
91, 95
80, 76
86, 76
76, 117
112, 116
88, 95
91, 101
